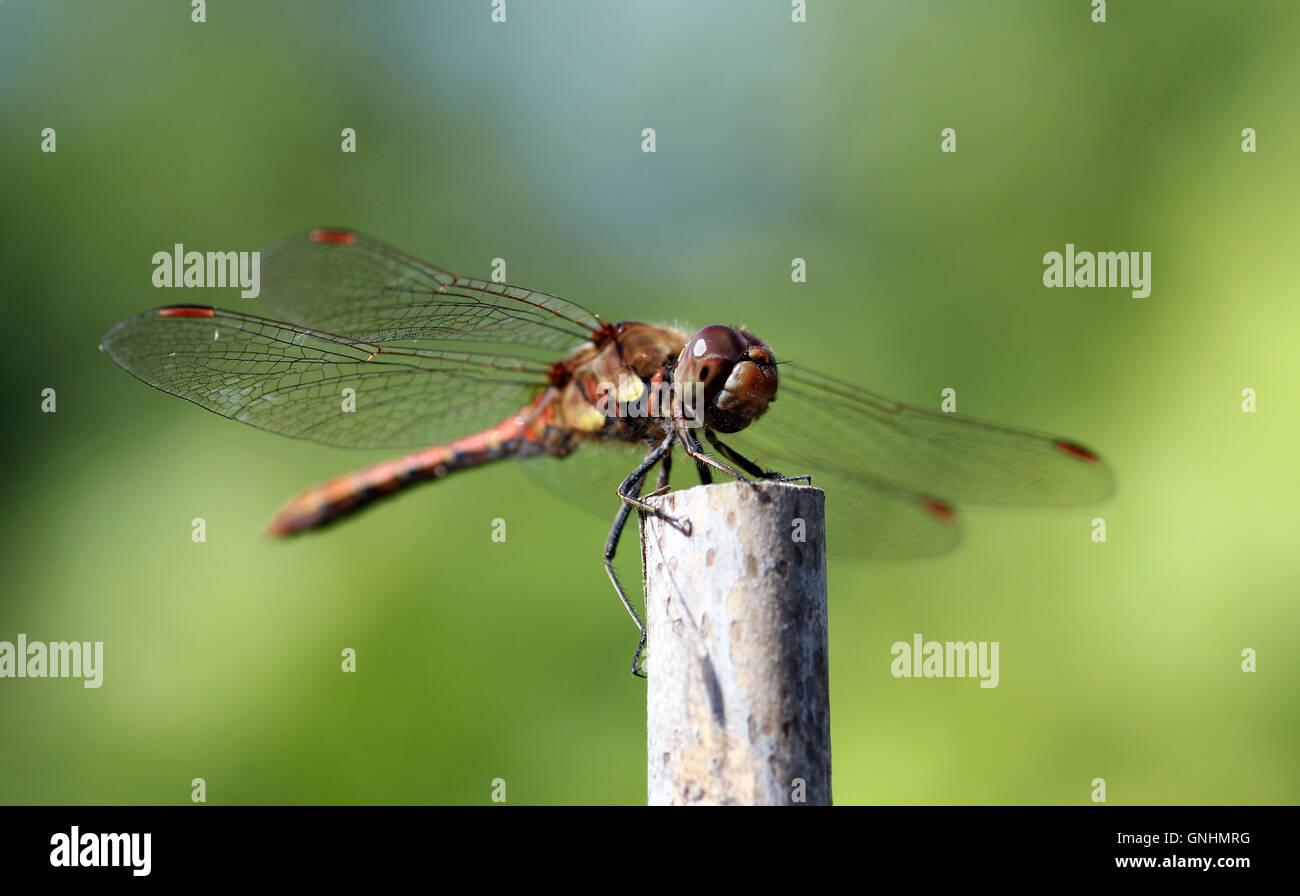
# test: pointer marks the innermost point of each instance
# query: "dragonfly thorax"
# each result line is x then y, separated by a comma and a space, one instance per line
736, 373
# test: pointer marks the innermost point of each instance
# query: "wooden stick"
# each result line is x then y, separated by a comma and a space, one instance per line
738, 702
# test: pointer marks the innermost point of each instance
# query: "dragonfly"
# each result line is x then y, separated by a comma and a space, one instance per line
462, 372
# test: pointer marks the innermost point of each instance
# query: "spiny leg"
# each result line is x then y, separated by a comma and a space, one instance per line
734, 456
629, 493
696, 451
665, 473
611, 545
746, 464
629, 496
706, 474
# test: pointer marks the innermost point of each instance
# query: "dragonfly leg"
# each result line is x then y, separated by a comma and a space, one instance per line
696, 451
611, 545
746, 464
733, 455
629, 492
665, 473
706, 474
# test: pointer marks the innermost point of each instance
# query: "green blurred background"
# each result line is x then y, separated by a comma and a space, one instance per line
480, 660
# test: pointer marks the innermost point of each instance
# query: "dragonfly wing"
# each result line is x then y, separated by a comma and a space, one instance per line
872, 519
877, 521
855, 432
344, 282
291, 380
901, 466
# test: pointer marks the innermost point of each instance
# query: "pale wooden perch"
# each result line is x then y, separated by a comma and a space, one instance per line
738, 702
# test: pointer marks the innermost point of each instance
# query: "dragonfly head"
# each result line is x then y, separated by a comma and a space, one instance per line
736, 372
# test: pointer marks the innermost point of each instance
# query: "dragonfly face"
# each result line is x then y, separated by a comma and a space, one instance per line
737, 374
469, 372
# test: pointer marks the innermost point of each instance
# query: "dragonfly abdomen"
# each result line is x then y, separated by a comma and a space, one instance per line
339, 497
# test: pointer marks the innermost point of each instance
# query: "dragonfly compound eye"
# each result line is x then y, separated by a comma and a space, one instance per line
735, 372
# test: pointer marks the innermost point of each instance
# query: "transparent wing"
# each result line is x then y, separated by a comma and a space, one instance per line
891, 471
344, 282
874, 520
290, 380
